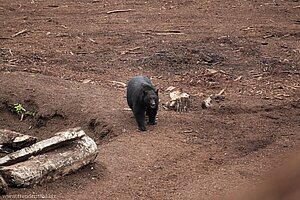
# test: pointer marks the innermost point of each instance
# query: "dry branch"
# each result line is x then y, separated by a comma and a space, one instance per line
52, 165
42, 146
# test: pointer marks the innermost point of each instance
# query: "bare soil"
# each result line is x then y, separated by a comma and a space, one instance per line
61, 59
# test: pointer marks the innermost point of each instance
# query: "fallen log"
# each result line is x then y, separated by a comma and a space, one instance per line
14, 140
52, 165
42, 146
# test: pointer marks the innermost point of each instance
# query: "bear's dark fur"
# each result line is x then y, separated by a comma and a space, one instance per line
142, 97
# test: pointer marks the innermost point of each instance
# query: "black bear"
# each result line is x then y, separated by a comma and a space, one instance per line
142, 97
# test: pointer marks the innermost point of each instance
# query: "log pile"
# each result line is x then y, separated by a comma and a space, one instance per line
48, 159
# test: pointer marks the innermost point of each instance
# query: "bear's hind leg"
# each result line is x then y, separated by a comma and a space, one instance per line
140, 119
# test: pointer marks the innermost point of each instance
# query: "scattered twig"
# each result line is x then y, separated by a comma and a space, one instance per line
53, 6
163, 32
118, 11
221, 92
93, 41
10, 52
268, 36
19, 33
5, 38
296, 7
292, 86
238, 78
290, 72
130, 51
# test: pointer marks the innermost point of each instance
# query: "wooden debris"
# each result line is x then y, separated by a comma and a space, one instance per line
42, 146
20, 32
118, 11
210, 72
92, 40
3, 186
85, 81
163, 32
5, 38
179, 102
52, 165
131, 51
119, 84
238, 78
170, 89
208, 101
14, 140
168, 32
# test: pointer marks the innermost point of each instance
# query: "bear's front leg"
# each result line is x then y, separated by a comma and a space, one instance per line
140, 119
151, 113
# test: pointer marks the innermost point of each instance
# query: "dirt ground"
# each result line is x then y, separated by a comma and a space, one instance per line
63, 60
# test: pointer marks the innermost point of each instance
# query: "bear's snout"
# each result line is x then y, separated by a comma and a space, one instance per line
152, 103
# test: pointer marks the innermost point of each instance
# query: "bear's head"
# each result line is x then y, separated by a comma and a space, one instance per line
151, 98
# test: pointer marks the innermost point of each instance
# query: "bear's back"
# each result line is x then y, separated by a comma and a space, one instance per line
135, 88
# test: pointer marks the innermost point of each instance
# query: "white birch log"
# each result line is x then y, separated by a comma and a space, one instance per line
52, 165
42, 146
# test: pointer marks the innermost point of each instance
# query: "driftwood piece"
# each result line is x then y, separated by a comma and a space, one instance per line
52, 165
3, 186
14, 140
42, 146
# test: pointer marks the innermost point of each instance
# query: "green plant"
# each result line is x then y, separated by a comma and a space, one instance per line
20, 110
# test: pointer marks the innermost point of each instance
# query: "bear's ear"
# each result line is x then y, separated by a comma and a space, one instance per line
144, 92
